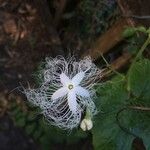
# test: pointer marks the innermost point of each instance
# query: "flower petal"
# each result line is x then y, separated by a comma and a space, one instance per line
82, 91
72, 101
78, 78
59, 93
64, 79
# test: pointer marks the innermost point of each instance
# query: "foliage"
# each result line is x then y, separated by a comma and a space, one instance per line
130, 31
106, 131
47, 136
135, 37
124, 111
125, 106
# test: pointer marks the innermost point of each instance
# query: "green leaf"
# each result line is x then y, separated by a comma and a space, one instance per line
136, 122
112, 95
21, 122
102, 133
107, 135
139, 79
146, 138
15, 111
37, 134
124, 141
30, 128
141, 29
45, 143
148, 31
129, 32
76, 136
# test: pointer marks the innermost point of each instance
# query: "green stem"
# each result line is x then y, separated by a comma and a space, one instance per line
109, 66
147, 42
88, 114
140, 108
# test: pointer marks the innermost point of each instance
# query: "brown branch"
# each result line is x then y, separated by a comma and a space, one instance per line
121, 61
108, 40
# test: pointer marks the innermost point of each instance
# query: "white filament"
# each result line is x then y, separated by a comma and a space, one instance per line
66, 90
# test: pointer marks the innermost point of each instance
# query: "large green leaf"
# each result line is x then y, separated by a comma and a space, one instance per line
116, 132
139, 79
146, 139
103, 133
107, 135
139, 125
112, 95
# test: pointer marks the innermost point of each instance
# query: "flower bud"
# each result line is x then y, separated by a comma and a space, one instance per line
86, 124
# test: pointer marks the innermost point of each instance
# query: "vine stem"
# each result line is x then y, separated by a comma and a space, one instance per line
111, 68
147, 42
138, 108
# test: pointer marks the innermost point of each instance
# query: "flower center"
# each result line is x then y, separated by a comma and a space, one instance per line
70, 86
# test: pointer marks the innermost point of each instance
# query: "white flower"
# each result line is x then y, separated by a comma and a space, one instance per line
71, 88
86, 124
66, 90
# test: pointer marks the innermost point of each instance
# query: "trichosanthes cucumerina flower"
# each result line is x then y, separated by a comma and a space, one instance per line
66, 91
72, 88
